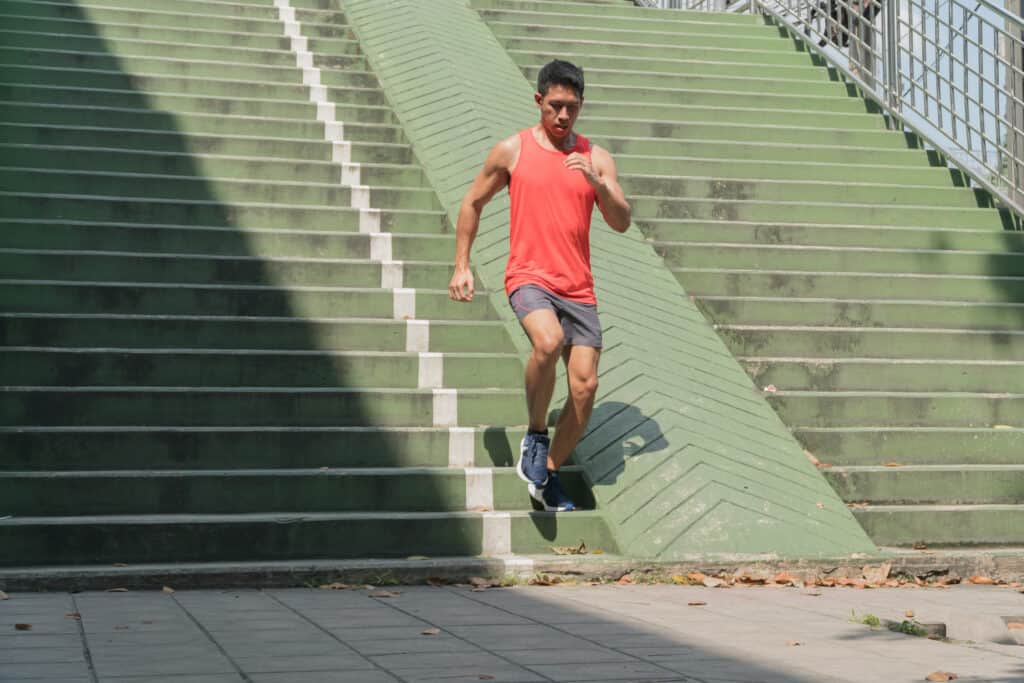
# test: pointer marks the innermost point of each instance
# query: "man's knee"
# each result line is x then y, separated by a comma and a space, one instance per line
548, 343
583, 388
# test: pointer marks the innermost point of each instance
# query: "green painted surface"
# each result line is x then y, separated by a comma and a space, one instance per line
684, 455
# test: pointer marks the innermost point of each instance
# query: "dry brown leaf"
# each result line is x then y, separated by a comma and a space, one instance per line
542, 580
696, 603
117, 590
1012, 584
751, 580
945, 581
909, 614
168, 590
624, 580
771, 389
696, 577
23, 627
580, 549
430, 631
893, 464
793, 643
1015, 626
335, 586
813, 594
385, 594
820, 505
74, 615
481, 508
4, 596
876, 575
981, 580
785, 578
941, 676
712, 582
920, 546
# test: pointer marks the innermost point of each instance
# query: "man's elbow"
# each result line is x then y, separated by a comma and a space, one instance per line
623, 221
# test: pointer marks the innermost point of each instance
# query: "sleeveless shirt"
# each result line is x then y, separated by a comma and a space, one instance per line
550, 222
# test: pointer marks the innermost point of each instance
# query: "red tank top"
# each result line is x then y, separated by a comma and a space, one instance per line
550, 223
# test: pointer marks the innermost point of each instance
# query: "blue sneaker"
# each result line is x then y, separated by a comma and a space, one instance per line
552, 496
533, 459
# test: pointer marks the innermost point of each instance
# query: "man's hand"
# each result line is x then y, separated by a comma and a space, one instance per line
579, 162
461, 286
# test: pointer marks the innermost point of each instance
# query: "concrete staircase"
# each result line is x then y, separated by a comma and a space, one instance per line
875, 297
225, 328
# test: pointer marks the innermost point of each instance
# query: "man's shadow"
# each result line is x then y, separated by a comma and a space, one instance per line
615, 433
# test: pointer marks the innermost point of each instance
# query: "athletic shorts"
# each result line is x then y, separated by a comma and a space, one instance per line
580, 323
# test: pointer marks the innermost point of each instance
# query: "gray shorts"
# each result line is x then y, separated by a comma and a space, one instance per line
580, 323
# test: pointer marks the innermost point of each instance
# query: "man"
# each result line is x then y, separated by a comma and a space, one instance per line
554, 176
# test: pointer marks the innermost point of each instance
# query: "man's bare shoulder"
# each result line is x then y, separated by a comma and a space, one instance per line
506, 152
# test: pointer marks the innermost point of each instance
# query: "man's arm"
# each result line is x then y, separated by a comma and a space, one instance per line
601, 174
492, 177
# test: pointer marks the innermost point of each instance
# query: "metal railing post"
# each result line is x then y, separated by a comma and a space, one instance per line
891, 56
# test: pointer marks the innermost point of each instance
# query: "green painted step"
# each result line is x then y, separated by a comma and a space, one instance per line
167, 141
595, 126
107, 330
250, 407
615, 9
950, 446
186, 239
730, 112
930, 484
850, 312
724, 97
45, 296
282, 536
728, 168
710, 50
210, 492
771, 189
698, 82
642, 40
83, 449
226, 190
205, 166
813, 212
210, 213
835, 236
261, 10
962, 525
776, 341
897, 409
660, 23
665, 65
177, 18
56, 366
919, 375
624, 148
269, 40
783, 283
202, 269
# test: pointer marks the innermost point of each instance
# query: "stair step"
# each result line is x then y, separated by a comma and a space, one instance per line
855, 374
730, 112
930, 484
897, 408
226, 241
844, 341
291, 536
680, 24
188, 16
49, 449
854, 312
880, 285
912, 173
214, 7
256, 406
642, 40
615, 9
726, 150
107, 330
212, 492
943, 525
149, 298
934, 445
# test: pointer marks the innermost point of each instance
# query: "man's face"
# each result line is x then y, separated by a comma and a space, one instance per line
559, 108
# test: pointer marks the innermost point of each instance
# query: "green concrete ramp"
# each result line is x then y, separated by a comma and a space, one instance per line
684, 454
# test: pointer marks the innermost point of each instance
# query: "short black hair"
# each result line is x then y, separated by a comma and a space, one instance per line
559, 72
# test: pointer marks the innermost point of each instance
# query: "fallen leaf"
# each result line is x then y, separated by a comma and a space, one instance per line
625, 579
543, 580
893, 464
74, 615
598, 551
436, 581
712, 582
4, 596
168, 590
385, 594
793, 643
784, 578
947, 581
335, 586
120, 564
23, 627
981, 580
920, 546
909, 614
857, 505
581, 549
430, 631
696, 577
876, 575
1015, 626
751, 580
117, 590
696, 603
770, 389
813, 594
941, 676
820, 505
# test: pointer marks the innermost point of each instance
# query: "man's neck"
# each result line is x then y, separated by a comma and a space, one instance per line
564, 145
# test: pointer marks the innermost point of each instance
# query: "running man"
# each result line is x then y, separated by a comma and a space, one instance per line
554, 176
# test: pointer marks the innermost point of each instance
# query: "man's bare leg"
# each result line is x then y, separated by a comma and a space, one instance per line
546, 335
581, 373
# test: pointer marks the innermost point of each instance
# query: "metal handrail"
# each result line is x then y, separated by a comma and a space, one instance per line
951, 71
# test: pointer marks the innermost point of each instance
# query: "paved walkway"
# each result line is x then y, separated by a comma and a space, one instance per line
451, 635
